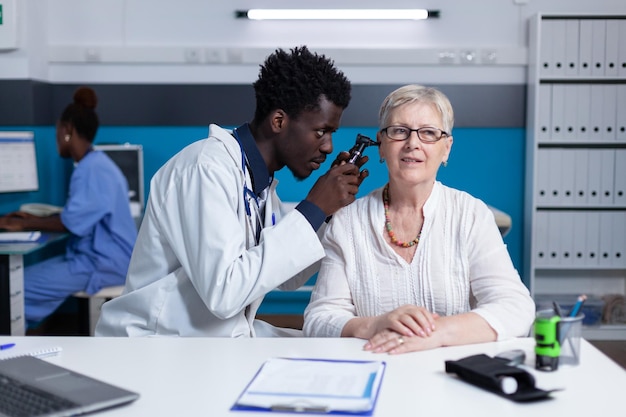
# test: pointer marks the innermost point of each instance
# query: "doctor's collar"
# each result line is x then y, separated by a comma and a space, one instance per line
259, 173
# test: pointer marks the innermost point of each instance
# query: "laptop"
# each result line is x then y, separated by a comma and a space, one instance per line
24, 376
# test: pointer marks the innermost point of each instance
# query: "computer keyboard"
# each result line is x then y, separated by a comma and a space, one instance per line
17, 400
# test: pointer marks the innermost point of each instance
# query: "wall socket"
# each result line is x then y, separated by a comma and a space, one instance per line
193, 55
469, 57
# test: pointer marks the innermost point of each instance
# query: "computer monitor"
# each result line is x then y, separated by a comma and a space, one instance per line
129, 158
18, 162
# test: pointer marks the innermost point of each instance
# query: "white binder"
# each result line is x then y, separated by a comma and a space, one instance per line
596, 117
570, 125
619, 193
609, 112
584, 47
579, 237
611, 56
545, 52
558, 112
620, 122
567, 226
542, 182
571, 46
545, 112
619, 239
605, 245
568, 174
595, 176
581, 177
554, 176
583, 112
558, 49
554, 238
607, 176
540, 237
622, 48
592, 227
598, 37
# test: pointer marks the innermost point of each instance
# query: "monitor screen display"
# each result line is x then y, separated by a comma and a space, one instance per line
18, 162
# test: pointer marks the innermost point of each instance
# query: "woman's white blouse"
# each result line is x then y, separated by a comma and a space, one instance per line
461, 265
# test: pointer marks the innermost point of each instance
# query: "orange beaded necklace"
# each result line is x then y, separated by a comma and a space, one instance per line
390, 232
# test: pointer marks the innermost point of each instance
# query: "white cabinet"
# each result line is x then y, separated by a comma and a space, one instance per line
575, 214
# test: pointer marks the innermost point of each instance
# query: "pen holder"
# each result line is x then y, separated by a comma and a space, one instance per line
570, 334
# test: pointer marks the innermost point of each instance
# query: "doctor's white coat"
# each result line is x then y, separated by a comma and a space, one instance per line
195, 269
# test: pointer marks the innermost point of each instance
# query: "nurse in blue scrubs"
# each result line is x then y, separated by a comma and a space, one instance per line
96, 215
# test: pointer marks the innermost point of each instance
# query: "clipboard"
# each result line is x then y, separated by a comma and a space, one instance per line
313, 386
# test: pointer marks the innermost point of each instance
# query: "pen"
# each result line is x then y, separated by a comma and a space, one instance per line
576, 308
7, 346
273, 219
557, 309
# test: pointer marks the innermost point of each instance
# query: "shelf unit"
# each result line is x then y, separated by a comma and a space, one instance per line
575, 211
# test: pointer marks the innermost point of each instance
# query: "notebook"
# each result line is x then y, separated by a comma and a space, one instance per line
12, 350
85, 394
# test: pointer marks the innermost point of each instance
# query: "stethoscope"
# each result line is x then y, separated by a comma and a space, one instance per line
250, 196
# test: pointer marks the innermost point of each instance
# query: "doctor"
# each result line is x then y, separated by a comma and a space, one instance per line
215, 237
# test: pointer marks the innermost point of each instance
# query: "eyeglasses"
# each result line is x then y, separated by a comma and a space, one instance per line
425, 134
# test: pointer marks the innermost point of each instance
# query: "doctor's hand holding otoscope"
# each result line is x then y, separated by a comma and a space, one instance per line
339, 186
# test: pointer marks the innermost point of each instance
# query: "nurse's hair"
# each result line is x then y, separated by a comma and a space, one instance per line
81, 113
295, 81
413, 93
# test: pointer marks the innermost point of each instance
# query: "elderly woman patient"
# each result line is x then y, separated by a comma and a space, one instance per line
416, 265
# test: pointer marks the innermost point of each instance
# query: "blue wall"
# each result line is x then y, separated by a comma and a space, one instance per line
486, 162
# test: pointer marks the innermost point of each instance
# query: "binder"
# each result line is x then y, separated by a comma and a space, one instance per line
571, 47
568, 173
598, 38
567, 226
545, 112
594, 176
605, 242
545, 52
558, 51
619, 239
620, 122
540, 239
558, 112
581, 177
592, 231
570, 128
542, 181
584, 47
579, 238
554, 238
596, 117
316, 386
609, 111
583, 112
607, 176
619, 193
622, 48
611, 56
554, 176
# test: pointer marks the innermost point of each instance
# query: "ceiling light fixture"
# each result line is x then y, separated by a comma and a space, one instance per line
337, 14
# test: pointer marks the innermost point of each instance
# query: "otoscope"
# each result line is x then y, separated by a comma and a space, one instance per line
361, 143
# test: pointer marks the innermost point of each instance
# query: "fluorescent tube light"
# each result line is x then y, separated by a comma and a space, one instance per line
337, 14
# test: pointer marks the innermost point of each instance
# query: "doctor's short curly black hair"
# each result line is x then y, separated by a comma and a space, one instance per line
294, 81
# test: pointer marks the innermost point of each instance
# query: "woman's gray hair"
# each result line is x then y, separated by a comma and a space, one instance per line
413, 93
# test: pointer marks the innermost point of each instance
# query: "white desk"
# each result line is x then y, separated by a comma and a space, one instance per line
204, 376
